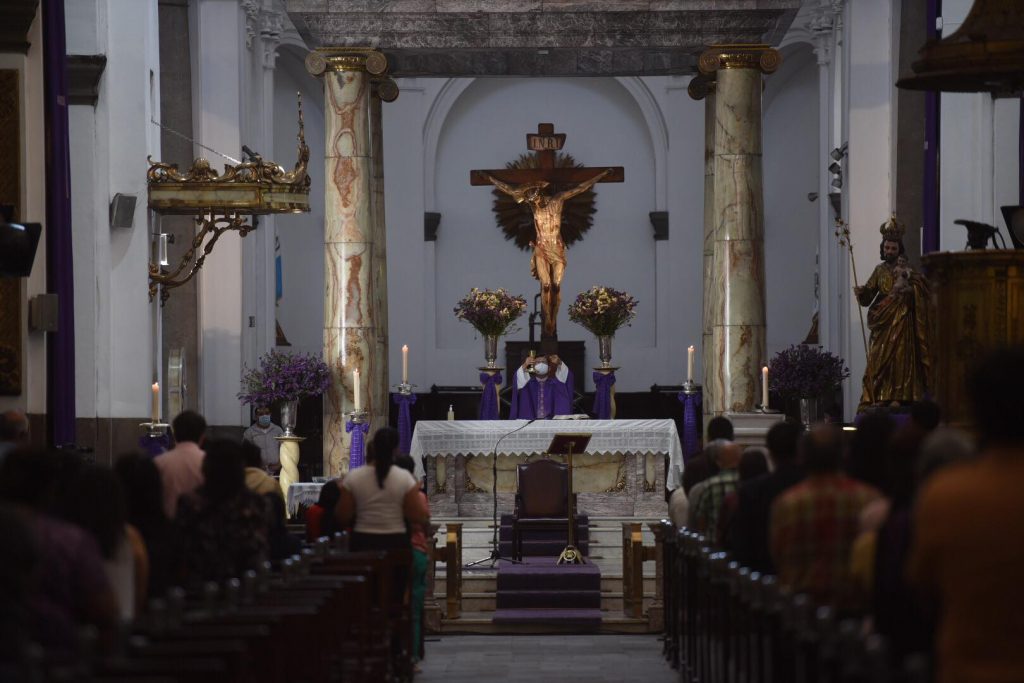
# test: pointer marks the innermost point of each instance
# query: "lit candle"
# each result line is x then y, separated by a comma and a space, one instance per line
405, 363
355, 389
689, 364
156, 402
764, 387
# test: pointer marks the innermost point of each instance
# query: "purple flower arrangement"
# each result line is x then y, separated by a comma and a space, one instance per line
491, 313
603, 310
805, 371
284, 377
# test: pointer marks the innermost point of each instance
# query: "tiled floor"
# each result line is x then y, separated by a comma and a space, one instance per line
538, 659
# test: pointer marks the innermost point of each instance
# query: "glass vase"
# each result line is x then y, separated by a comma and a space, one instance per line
289, 414
604, 349
809, 411
491, 350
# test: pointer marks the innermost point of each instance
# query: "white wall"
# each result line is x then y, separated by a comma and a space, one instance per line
791, 167
301, 311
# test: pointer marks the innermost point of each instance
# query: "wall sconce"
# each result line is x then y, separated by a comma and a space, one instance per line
221, 203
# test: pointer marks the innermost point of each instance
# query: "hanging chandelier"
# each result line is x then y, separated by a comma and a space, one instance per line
222, 202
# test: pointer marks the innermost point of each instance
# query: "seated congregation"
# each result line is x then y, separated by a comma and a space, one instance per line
182, 567
891, 555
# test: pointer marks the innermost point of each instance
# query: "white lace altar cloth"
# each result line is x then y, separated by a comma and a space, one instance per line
433, 438
302, 494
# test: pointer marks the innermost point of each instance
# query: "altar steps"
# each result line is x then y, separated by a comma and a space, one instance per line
479, 585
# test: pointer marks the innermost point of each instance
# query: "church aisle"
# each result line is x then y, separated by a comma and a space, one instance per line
535, 659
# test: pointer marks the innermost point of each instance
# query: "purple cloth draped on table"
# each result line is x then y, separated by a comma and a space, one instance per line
557, 399
691, 428
60, 345
155, 445
489, 398
603, 382
404, 421
356, 452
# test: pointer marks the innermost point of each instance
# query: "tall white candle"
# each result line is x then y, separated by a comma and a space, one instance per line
405, 363
355, 389
156, 402
764, 387
689, 364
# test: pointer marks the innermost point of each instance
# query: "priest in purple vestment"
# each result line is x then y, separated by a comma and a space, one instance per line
542, 389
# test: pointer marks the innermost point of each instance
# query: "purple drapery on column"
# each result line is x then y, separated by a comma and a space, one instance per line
691, 429
60, 345
489, 399
603, 382
356, 452
932, 120
404, 420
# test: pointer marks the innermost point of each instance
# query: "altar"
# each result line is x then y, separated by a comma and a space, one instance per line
622, 472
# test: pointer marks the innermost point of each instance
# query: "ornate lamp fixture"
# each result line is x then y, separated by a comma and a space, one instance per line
222, 202
986, 54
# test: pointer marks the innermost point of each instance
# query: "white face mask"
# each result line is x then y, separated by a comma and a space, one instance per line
541, 368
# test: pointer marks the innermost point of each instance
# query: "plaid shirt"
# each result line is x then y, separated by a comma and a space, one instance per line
813, 527
706, 501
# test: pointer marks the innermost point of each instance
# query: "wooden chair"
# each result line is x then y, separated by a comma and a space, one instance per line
542, 500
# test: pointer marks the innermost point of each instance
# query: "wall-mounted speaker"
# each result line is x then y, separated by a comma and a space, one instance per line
18, 242
122, 210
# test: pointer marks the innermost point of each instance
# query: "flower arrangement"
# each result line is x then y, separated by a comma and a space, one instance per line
284, 377
491, 313
805, 371
603, 310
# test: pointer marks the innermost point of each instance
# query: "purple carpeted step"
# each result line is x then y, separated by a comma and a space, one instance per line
569, 618
558, 599
543, 573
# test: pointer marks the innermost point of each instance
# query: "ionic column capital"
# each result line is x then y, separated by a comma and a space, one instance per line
764, 58
338, 59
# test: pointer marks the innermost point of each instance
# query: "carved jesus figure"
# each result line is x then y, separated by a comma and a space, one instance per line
548, 261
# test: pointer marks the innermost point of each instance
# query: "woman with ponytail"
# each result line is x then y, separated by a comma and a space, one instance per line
379, 498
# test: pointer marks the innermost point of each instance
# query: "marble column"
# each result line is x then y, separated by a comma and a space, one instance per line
738, 343
702, 87
351, 318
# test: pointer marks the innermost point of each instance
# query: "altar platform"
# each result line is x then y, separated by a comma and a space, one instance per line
622, 473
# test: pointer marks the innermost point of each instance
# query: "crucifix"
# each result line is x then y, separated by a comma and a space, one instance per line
531, 186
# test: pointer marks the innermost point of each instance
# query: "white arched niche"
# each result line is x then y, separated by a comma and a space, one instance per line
482, 124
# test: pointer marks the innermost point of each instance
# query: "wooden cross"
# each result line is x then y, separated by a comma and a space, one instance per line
546, 142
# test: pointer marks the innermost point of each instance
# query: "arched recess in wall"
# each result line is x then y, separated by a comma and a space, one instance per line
791, 168
454, 88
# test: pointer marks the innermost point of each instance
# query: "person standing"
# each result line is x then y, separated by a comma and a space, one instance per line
968, 524
262, 434
181, 468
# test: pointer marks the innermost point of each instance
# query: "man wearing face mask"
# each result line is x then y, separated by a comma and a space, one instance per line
542, 389
261, 434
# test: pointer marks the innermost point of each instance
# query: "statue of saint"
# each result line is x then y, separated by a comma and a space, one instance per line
899, 366
548, 261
